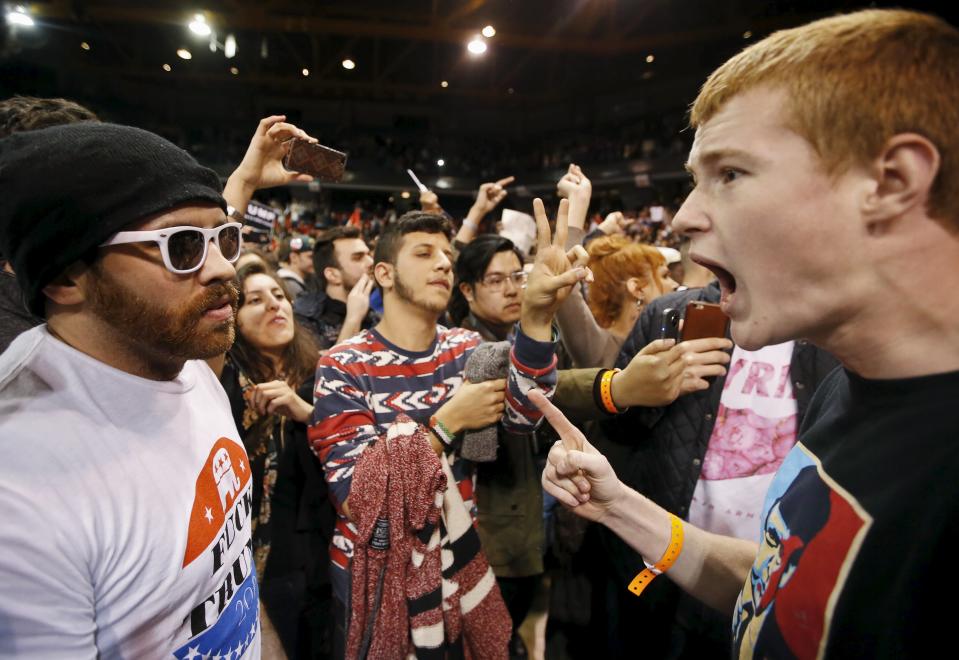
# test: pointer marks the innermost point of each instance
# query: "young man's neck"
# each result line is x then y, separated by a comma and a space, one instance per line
406, 325
500, 330
910, 327
298, 272
336, 292
95, 338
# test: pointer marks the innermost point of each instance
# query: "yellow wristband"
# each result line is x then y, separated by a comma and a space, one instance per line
606, 392
645, 576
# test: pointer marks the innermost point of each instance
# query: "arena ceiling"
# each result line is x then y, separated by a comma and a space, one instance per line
543, 50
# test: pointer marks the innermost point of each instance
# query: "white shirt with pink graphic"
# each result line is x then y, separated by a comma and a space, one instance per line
755, 429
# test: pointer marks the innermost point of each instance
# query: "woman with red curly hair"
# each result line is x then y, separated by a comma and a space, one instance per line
627, 277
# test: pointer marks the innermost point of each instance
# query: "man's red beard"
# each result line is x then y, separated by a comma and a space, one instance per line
174, 331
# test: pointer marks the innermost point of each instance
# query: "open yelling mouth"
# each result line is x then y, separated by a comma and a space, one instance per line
727, 282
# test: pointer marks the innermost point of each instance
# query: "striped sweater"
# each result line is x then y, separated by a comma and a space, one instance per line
364, 383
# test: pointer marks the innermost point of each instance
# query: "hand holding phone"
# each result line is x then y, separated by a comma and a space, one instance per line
324, 163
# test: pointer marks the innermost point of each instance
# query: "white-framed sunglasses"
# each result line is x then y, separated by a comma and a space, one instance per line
184, 249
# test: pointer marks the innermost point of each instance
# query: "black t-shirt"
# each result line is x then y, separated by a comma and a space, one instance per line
860, 524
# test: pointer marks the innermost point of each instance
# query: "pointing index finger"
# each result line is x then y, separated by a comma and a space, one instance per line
506, 181
571, 436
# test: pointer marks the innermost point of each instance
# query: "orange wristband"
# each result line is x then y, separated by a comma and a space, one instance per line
645, 576
606, 392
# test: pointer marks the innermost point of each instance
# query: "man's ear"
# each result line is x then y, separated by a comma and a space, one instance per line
333, 276
69, 287
467, 291
904, 173
384, 273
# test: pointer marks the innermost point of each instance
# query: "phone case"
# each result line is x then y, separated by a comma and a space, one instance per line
704, 320
669, 328
322, 162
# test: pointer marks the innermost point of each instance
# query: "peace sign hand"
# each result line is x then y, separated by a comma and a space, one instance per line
554, 273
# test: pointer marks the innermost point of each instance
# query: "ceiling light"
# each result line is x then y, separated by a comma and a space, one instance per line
306, 72
440, 162
167, 68
444, 84
489, 32
747, 34
229, 46
84, 45
234, 70
199, 26
650, 58
405, 194
184, 54
349, 64
19, 16
477, 46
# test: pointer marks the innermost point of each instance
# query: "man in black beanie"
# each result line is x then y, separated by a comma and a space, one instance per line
125, 487
17, 114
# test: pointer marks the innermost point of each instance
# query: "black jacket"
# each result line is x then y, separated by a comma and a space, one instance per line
666, 445
323, 316
659, 452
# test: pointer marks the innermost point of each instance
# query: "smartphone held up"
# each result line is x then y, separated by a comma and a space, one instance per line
702, 320
312, 158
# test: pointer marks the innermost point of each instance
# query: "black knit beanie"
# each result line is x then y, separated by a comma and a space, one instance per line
65, 190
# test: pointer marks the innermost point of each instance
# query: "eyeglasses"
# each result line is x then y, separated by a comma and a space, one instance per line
495, 281
184, 249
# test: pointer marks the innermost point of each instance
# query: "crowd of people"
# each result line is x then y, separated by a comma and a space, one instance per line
641, 138
363, 439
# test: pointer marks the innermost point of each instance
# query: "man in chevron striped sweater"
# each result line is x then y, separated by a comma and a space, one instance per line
410, 368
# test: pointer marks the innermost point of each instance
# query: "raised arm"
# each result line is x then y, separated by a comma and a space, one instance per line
488, 198
589, 345
262, 165
709, 567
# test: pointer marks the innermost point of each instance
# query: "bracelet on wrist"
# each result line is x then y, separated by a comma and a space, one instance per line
236, 214
441, 431
675, 547
603, 392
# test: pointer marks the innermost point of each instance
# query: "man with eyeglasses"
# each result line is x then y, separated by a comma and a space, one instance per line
125, 488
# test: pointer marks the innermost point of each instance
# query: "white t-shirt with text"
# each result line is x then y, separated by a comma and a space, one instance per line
124, 512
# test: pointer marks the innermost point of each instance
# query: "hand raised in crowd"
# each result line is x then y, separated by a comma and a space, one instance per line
489, 196
430, 202
278, 398
577, 188
576, 473
474, 405
555, 272
358, 299
663, 371
262, 165
615, 223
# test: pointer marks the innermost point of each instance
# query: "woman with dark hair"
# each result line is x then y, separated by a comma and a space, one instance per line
268, 376
488, 294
